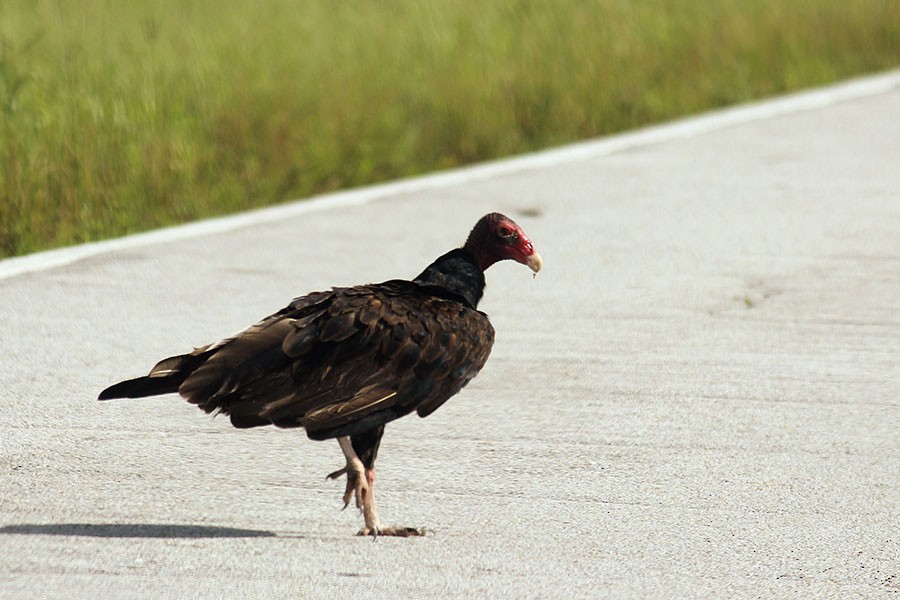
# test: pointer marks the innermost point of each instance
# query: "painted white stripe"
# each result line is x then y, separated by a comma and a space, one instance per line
684, 128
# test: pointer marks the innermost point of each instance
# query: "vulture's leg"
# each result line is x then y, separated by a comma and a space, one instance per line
360, 452
360, 486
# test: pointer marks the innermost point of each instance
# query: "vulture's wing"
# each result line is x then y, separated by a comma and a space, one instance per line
344, 361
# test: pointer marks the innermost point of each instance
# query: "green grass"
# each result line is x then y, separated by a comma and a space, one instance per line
121, 116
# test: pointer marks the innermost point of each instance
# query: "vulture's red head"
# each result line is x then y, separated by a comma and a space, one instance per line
496, 237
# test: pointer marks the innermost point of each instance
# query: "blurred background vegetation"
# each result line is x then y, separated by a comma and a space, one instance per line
117, 116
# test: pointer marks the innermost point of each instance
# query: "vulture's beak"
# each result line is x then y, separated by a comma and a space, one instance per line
534, 262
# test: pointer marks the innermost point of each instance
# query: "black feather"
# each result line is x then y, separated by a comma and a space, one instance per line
141, 387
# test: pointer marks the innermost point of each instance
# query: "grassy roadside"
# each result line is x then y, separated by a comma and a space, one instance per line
118, 117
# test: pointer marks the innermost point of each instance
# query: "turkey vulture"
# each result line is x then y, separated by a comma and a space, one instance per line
343, 363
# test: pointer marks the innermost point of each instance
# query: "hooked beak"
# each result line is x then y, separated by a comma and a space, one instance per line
534, 261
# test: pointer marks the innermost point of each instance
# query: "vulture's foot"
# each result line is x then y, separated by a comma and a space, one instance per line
360, 485
357, 484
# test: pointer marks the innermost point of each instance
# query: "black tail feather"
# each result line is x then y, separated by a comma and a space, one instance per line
165, 378
141, 387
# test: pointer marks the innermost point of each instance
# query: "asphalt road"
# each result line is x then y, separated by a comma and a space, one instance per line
699, 395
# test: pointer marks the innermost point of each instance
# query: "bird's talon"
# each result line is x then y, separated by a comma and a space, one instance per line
337, 473
346, 497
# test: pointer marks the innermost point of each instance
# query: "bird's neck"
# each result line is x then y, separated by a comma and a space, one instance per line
458, 272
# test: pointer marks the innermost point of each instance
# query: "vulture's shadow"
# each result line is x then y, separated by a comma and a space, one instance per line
132, 530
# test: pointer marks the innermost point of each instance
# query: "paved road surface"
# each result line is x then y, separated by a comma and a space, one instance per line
698, 397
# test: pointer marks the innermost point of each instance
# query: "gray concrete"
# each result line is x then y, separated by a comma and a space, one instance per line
698, 397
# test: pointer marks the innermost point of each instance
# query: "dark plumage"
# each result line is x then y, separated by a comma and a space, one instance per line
343, 363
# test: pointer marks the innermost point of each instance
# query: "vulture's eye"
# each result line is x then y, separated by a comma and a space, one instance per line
506, 232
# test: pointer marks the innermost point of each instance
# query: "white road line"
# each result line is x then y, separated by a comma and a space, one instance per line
684, 128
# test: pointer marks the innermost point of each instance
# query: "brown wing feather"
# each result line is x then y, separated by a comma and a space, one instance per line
345, 361
250, 363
